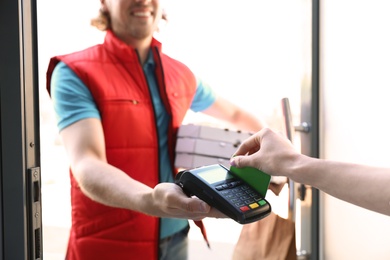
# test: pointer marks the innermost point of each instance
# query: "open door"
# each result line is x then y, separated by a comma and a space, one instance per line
276, 62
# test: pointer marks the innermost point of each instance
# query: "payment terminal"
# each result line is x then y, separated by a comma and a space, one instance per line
223, 190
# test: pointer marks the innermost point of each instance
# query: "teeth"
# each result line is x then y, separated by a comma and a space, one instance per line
142, 14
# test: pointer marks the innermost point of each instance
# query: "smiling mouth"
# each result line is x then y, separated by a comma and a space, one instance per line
142, 14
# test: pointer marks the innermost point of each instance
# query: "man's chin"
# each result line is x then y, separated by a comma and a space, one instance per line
142, 32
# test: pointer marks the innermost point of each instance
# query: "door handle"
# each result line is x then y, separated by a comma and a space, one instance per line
303, 127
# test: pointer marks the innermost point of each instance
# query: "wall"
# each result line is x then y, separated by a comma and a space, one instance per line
355, 126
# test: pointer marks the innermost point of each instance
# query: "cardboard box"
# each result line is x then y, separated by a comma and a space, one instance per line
189, 161
199, 145
213, 133
205, 147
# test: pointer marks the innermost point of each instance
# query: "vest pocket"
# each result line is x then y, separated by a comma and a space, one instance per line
127, 123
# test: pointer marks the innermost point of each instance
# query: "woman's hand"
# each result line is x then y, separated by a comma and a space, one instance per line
267, 151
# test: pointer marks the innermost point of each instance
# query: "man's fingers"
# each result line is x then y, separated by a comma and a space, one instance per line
195, 205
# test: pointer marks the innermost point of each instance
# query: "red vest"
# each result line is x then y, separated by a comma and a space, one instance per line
115, 77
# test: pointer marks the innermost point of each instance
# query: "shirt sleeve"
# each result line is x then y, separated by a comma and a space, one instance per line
72, 100
204, 97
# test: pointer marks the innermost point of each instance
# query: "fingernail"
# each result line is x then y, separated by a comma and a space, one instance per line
232, 162
204, 207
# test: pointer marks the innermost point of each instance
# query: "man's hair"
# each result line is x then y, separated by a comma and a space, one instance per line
103, 21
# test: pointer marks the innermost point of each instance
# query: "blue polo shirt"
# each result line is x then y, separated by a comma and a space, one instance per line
73, 101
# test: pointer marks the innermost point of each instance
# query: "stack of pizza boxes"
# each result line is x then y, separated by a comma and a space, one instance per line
200, 145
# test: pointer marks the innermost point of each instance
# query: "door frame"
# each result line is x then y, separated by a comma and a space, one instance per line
20, 194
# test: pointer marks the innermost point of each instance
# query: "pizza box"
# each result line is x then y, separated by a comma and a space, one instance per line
189, 161
213, 133
211, 148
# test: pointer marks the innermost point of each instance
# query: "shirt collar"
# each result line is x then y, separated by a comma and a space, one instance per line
149, 60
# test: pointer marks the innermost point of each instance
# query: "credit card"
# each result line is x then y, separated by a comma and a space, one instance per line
255, 178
